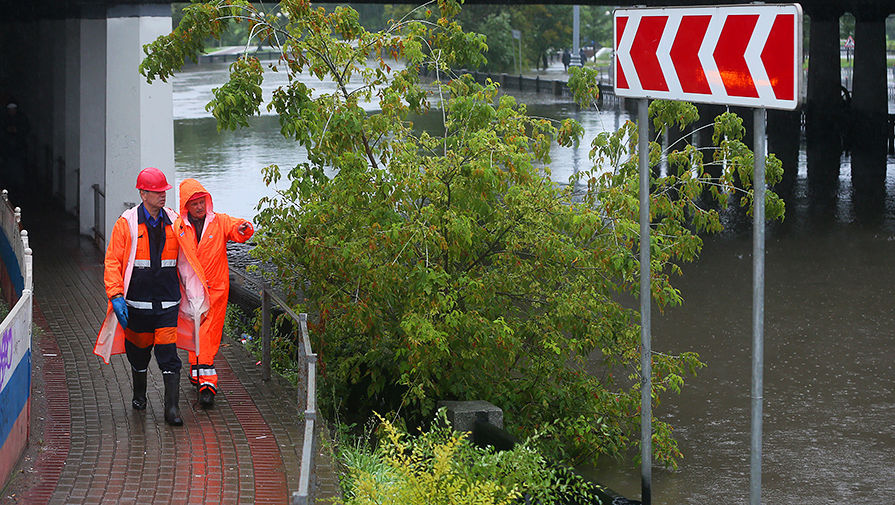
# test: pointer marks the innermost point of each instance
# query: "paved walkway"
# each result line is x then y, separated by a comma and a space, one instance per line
88, 446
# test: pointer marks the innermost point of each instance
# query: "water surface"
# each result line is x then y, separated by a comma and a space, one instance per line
829, 376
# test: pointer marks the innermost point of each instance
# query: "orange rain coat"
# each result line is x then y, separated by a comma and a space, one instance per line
211, 251
119, 265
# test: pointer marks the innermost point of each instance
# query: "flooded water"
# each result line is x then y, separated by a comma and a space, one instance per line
829, 397
229, 163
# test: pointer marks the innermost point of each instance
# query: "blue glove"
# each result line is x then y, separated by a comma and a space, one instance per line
120, 308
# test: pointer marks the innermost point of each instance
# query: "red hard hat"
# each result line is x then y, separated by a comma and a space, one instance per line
152, 179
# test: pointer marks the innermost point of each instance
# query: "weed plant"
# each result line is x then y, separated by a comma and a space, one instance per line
386, 464
245, 328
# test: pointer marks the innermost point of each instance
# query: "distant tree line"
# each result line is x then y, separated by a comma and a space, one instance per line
543, 28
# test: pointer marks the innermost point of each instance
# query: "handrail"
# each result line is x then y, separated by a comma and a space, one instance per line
304, 494
99, 215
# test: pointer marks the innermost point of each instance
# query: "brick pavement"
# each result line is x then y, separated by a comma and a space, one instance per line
88, 446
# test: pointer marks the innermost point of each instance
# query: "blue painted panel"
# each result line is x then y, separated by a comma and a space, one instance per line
14, 396
8, 256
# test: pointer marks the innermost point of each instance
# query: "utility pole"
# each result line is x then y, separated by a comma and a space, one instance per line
576, 59
517, 35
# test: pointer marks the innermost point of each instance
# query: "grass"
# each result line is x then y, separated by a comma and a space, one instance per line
245, 328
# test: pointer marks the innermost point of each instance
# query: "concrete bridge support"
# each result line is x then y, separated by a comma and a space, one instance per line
43, 110
784, 136
71, 133
94, 119
869, 109
824, 114
59, 174
139, 116
91, 157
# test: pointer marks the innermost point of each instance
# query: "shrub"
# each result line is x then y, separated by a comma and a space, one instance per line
442, 466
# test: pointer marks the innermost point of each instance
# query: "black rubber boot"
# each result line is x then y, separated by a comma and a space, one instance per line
172, 398
139, 401
206, 397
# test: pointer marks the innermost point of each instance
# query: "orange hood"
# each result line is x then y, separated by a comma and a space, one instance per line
190, 188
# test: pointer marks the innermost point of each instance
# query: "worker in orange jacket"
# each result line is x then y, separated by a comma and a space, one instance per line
156, 293
205, 234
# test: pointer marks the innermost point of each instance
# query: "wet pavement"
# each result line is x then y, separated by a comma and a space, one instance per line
88, 446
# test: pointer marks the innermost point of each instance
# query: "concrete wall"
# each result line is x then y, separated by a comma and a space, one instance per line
92, 119
139, 116
72, 111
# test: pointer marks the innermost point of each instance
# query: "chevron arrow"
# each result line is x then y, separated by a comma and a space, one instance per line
737, 55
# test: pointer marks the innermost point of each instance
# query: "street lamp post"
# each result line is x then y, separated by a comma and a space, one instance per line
576, 59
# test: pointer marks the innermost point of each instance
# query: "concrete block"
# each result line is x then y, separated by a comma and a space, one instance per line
463, 414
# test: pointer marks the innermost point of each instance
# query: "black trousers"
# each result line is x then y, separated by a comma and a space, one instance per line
165, 355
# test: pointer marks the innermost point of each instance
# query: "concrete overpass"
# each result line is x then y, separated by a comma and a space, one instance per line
71, 65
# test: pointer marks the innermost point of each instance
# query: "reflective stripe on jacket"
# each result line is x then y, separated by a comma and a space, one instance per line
119, 267
154, 288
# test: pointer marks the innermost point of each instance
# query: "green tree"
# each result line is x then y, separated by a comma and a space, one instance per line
497, 27
372, 16
846, 26
544, 27
446, 264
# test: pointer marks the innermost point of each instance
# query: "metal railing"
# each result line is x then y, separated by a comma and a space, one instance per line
99, 215
304, 494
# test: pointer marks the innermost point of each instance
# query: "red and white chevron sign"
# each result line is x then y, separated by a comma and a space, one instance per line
748, 55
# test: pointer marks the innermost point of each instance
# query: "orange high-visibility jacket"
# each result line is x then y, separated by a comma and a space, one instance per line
211, 251
119, 266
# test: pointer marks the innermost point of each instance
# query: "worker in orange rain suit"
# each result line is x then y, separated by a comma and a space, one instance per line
156, 292
205, 233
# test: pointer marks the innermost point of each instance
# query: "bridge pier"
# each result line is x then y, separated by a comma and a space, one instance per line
94, 119
42, 116
139, 120
91, 157
824, 115
784, 132
71, 132
869, 109
57, 119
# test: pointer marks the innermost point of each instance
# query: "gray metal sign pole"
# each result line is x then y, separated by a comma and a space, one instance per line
758, 182
576, 59
646, 364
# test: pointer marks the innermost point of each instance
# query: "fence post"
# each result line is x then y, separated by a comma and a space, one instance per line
265, 334
99, 216
891, 134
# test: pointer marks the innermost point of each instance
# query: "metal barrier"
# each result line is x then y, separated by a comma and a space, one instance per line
559, 88
304, 495
99, 216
